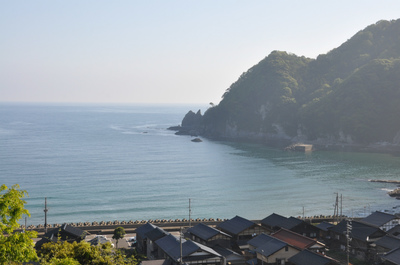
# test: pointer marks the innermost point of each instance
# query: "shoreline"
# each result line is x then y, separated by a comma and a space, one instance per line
168, 225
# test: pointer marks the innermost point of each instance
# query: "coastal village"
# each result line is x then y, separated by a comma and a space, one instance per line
321, 240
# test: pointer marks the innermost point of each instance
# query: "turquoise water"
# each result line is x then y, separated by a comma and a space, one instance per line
119, 162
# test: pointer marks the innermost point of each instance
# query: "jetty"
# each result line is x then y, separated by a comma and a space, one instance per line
385, 181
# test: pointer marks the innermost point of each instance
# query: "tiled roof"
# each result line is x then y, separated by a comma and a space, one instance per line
77, 232
171, 246
142, 230
259, 240
324, 226
388, 242
276, 220
168, 242
360, 231
271, 247
294, 239
156, 234
226, 252
205, 232
189, 247
395, 231
307, 257
266, 245
393, 256
378, 218
235, 225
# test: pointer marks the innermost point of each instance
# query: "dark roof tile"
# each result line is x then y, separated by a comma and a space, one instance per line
235, 225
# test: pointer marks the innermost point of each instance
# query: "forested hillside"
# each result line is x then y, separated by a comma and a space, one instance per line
350, 95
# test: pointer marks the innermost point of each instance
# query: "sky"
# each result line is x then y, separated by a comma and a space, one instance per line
161, 51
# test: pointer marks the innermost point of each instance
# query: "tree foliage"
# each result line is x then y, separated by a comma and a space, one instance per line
82, 253
352, 90
119, 233
15, 246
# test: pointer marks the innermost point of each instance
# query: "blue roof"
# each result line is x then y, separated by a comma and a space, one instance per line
236, 225
266, 245
271, 247
378, 218
360, 231
393, 256
171, 246
168, 242
324, 226
142, 230
156, 234
389, 242
276, 220
259, 240
307, 257
205, 232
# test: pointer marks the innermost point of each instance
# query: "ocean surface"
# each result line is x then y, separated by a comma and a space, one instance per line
119, 162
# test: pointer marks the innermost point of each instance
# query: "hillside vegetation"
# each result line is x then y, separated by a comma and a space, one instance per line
350, 95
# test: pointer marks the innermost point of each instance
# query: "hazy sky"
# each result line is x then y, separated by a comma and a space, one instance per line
169, 51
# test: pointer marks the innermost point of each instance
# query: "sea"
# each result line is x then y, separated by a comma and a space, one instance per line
107, 162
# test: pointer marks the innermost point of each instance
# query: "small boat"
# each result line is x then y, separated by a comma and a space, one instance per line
196, 140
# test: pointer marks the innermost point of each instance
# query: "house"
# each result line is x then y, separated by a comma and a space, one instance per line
392, 258
141, 237
383, 246
386, 244
231, 257
307, 257
64, 233
324, 230
165, 244
395, 231
241, 230
270, 250
152, 236
362, 236
298, 241
384, 221
209, 236
274, 222
179, 251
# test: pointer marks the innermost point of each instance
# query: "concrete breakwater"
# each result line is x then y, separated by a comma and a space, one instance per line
107, 227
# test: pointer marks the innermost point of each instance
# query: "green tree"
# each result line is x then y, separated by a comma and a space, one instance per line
119, 233
15, 246
62, 253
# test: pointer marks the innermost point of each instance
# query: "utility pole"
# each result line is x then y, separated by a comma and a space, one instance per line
45, 214
341, 206
190, 213
180, 244
348, 231
336, 209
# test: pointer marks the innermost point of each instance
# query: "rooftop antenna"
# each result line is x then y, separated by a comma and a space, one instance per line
45, 214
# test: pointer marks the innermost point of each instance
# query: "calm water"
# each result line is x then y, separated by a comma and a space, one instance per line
118, 162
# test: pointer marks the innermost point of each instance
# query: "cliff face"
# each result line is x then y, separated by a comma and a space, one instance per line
350, 95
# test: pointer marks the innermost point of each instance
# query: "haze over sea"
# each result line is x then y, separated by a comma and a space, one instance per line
119, 162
